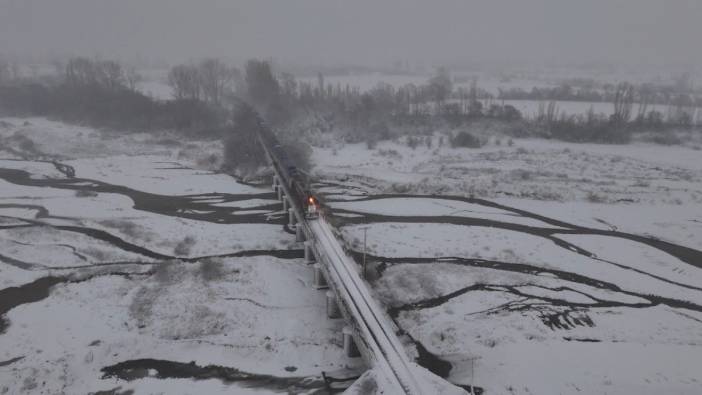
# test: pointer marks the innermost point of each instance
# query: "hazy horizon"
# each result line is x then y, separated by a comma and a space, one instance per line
362, 32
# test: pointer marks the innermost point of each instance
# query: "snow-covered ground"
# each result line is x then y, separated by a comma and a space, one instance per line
552, 268
528, 168
124, 267
530, 108
493, 83
253, 314
157, 89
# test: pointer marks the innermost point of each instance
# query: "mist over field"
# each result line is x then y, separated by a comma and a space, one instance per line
358, 197
365, 32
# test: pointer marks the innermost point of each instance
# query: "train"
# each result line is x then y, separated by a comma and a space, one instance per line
296, 180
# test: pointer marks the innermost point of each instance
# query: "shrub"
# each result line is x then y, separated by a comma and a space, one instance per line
165, 273
578, 130
510, 113
85, 193
300, 153
117, 107
400, 188
522, 174
141, 307
466, 140
211, 269
666, 139
594, 197
241, 149
371, 143
379, 131
183, 247
390, 153
412, 142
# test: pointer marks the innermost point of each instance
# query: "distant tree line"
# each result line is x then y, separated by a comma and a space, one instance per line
102, 93
373, 115
643, 94
210, 80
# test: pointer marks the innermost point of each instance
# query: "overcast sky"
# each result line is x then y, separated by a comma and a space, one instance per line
373, 32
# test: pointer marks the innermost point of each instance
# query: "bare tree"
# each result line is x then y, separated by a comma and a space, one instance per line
215, 78
34, 70
110, 74
288, 85
320, 85
262, 86
474, 105
59, 66
184, 79
15, 70
623, 100
547, 114
4, 71
440, 87
645, 97
80, 72
132, 77
107, 74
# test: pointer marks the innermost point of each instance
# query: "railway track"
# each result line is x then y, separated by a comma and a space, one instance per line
374, 333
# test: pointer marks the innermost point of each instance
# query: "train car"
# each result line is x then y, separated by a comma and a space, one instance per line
296, 182
313, 207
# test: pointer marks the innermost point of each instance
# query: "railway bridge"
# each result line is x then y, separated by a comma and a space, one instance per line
369, 333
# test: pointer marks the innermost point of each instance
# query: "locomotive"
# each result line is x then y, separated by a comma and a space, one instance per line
297, 182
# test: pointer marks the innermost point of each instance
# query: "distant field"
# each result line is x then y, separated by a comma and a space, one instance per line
493, 84
556, 267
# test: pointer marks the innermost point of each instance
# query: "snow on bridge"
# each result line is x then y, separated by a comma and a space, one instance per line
373, 333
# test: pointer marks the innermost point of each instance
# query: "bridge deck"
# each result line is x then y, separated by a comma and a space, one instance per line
384, 348
373, 331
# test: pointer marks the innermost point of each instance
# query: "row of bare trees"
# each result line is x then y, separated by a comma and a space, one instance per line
209, 80
8, 70
107, 74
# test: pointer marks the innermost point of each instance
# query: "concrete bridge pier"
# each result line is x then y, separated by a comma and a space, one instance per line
350, 347
292, 219
309, 254
333, 310
285, 202
279, 191
275, 182
320, 282
299, 234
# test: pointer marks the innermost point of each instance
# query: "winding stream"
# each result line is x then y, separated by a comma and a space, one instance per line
555, 313
162, 369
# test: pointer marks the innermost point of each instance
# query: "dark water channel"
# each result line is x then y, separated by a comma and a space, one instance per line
162, 369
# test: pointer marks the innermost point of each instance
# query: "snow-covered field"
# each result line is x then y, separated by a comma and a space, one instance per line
125, 268
524, 267
154, 83
525, 168
552, 268
530, 108
493, 83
